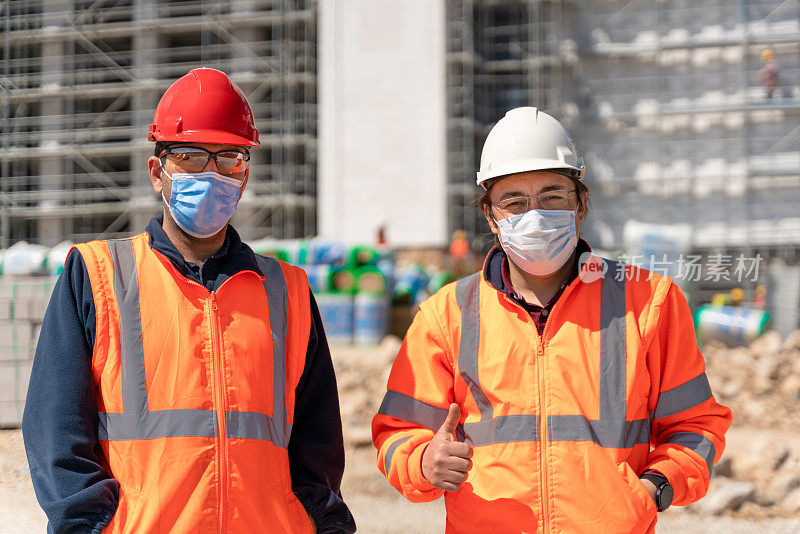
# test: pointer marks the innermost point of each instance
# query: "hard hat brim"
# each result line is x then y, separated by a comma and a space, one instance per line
215, 137
528, 165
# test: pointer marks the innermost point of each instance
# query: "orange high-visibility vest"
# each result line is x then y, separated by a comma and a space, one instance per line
195, 391
561, 424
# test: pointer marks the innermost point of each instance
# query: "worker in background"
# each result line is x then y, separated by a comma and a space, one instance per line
759, 297
460, 253
769, 74
182, 383
554, 391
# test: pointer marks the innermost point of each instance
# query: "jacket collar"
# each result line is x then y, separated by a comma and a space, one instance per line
233, 256
493, 266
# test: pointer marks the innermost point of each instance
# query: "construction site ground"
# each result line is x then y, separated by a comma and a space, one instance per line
378, 508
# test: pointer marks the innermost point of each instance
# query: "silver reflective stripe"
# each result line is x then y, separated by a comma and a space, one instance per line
687, 395
696, 442
468, 346
157, 424
126, 290
613, 348
411, 410
387, 460
605, 433
252, 425
501, 429
277, 298
136, 422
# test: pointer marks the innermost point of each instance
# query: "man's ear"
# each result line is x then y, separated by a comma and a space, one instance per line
156, 176
581, 215
490, 220
244, 182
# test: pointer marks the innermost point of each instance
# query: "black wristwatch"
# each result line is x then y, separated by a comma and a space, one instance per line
663, 491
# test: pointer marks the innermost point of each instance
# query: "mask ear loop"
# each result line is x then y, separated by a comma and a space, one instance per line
163, 170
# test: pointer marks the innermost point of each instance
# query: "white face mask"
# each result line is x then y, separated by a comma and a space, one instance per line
539, 241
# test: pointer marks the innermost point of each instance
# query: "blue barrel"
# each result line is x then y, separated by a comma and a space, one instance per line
371, 317
319, 277
386, 266
410, 281
730, 324
322, 251
336, 310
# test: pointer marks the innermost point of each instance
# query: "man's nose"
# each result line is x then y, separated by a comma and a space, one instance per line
211, 165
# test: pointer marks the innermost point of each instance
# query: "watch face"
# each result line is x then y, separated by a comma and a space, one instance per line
665, 497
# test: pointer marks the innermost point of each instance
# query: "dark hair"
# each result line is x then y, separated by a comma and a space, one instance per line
160, 146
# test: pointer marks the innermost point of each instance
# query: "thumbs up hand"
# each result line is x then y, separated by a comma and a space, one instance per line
445, 461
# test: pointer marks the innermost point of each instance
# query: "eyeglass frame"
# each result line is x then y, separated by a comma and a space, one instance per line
209, 155
528, 201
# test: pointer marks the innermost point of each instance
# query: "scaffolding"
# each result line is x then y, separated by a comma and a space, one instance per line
664, 99
682, 130
79, 83
500, 55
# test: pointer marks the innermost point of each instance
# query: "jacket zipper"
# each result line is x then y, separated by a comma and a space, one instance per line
218, 400
543, 441
220, 404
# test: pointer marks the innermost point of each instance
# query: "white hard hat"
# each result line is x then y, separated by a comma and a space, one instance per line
527, 139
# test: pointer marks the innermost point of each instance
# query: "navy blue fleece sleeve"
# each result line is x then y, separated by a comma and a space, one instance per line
316, 447
59, 425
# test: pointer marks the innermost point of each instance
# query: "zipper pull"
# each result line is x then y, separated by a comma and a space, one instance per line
214, 301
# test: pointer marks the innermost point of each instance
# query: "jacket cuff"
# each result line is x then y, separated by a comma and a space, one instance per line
415, 475
102, 522
327, 509
672, 472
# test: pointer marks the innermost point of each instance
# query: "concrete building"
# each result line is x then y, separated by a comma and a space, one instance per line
663, 97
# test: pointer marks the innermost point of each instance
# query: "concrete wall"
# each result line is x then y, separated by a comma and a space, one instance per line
22, 306
382, 121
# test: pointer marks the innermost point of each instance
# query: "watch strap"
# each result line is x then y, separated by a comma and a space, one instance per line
662, 501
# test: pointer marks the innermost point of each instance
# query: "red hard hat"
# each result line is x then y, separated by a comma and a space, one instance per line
204, 106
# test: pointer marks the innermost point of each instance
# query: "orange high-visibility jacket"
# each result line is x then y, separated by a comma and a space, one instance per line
195, 391
561, 424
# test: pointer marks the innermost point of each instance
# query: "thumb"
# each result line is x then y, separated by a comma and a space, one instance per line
450, 424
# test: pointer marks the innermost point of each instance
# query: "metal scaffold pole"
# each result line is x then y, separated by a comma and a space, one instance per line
80, 81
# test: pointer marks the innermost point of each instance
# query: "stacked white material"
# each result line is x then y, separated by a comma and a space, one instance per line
646, 38
676, 36
710, 176
732, 54
711, 34
678, 56
646, 106
647, 113
649, 178
678, 169
779, 161
24, 259
22, 305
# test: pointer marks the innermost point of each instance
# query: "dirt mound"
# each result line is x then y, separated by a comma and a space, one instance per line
760, 383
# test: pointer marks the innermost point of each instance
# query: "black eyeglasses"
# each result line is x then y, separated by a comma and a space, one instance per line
194, 159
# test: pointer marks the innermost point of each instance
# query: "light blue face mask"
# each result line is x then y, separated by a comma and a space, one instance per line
539, 241
201, 204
